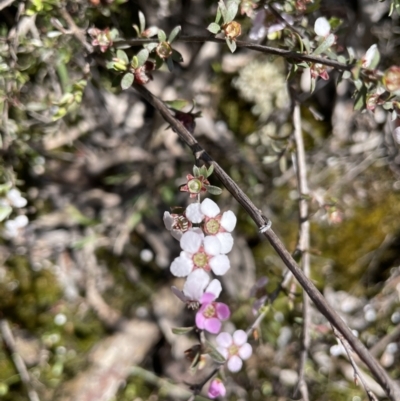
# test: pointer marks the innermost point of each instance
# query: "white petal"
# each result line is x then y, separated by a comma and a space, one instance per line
177, 234
195, 284
210, 208
212, 245
235, 364
214, 287
191, 241
168, 220
245, 351
223, 351
220, 264
239, 337
226, 241
194, 214
21, 221
228, 221
182, 265
322, 27
224, 340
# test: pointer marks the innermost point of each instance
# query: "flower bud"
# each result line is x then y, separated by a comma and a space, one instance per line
164, 50
391, 78
216, 389
232, 30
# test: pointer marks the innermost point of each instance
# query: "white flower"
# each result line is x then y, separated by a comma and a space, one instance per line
12, 227
214, 224
234, 348
322, 27
371, 55
199, 252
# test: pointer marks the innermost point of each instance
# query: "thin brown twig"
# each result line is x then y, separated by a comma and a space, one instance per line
288, 54
303, 244
357, 372
17, 360
391, 388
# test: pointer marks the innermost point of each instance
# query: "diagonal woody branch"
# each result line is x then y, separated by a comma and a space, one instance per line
391, 388
288, 54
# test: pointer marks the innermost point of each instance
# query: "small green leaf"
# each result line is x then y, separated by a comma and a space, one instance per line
170, 64
176, 56
127, 80
142, 57
214, 28
360, 101
150, 46
325, 45
122, 56
196, 171
214, 353
307, 45
174, 34
231, 11
5, 211
231, 44
142, 22
177, 104
346, 75
134, 62
213, 190
162, 37
203, 171
218, 16
182, 330
222, 9
110, 65
210, 170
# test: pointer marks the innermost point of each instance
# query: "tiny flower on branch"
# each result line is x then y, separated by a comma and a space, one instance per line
214, 223
211, 313
195, 185
199, 253
391, 78
102, 38
319, 70
232, 30
234, 349
371, 58
216, 389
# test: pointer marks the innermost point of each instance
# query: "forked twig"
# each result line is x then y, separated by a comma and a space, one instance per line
390, 386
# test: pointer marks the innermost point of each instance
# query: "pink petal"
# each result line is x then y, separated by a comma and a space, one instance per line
228, 221
220, 264
216, 389
226, 241
245, 351
201, 320
191, 242
207, 298
182, 265
210, 208
212, 245
235, 364
239, 337
212, 325
223, 311
194, 214
224, 340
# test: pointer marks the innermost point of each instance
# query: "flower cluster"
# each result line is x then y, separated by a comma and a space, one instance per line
205, 237
13, 199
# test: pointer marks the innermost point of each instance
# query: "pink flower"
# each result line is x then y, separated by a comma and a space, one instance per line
199, 252
211, 313
216, 389
214, 223
234, 348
